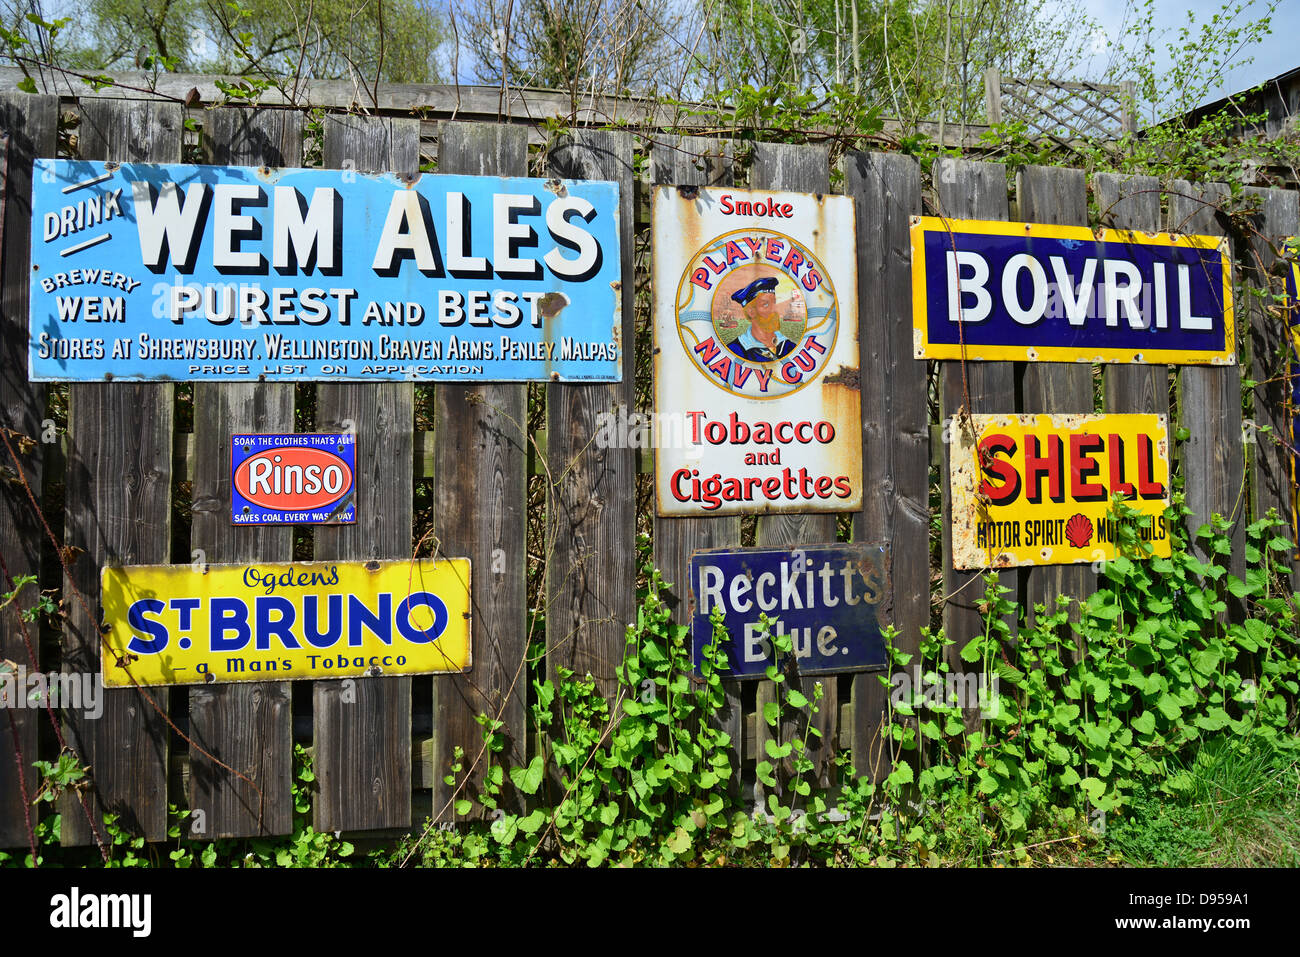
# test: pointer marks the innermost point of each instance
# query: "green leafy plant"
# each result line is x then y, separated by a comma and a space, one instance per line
1098, 707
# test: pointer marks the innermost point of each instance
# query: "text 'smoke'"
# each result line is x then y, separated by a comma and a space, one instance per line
229, 273
1037, 489
829, 599
203, 624
1024, 291
298, 479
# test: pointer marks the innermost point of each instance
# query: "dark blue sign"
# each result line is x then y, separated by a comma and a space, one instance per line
1024, 291
301, 479
827, 598
1293, 392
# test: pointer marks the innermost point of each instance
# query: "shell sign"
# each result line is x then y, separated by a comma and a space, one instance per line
1036, 489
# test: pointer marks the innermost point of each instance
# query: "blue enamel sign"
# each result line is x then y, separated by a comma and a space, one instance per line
827, 598
300, 479
189, 273
1292, 395
1040, 293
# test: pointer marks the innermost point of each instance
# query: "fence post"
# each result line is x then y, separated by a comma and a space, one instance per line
31, 123
1132, 202
480, 462
1128, 108
993, 96
1058, 197
886, 190
247, 727
1271, 355
1209, 408
591, 534
967, 190
118, 511
362, 726
697, 161
804, 169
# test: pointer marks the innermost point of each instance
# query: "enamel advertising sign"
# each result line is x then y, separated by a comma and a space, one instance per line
1022, 291
826, 598
757, 396
300, 479
188, 273
172, 624
1036, 489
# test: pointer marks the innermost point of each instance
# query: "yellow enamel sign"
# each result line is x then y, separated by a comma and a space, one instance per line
173, 624
1036, 489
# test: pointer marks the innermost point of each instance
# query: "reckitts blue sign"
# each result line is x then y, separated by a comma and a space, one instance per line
826, 598
190, 273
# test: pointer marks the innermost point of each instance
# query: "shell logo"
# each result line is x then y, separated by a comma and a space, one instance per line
293, 479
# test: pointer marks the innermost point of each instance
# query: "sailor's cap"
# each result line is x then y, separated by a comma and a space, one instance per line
746, 295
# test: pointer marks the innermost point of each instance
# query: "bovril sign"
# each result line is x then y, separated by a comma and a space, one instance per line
756, 353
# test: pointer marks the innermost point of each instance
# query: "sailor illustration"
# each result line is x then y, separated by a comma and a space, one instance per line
762, 341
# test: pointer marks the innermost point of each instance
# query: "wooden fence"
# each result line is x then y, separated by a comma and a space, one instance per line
138, 473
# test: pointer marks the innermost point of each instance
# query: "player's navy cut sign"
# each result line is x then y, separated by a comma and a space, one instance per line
300, 479
827, 598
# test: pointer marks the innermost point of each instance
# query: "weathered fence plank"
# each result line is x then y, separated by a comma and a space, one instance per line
886, 189
697, 161
1058, 197
247, 727
1271, 355
118, 510
362, 727
591, 535
690, 161
806, 170
31, 123
1209, 406
480, 463
1131, 202
967, 190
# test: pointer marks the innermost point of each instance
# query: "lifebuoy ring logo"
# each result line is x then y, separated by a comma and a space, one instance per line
757, 313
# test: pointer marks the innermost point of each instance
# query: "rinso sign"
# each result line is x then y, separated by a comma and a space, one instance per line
1036, 489
172, 624
756, 353
190, 273
1025, 291
299, 479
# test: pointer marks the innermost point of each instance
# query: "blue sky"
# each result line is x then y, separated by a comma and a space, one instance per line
1278, 52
